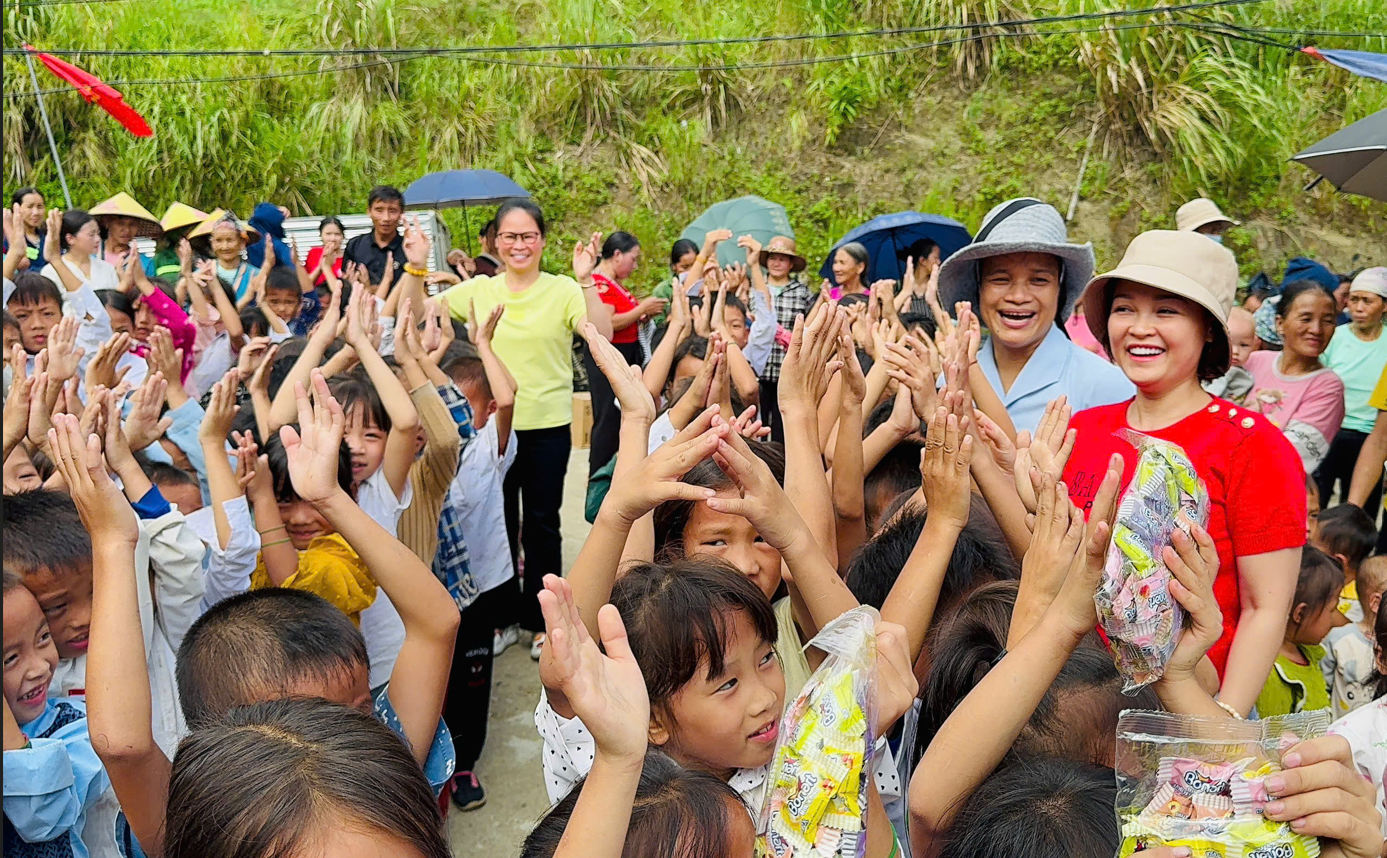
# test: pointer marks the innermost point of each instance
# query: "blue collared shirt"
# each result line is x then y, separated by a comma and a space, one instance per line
1057, 368
50, 785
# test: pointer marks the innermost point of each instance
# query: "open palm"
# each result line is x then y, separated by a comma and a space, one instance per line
313, 449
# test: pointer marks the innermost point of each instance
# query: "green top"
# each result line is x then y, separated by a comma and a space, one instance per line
1294, 687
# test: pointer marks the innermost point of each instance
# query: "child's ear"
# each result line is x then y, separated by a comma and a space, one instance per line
1298, 613
1343, 561
1375, 603
659, 734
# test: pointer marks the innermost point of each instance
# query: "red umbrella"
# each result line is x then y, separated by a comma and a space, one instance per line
96, 91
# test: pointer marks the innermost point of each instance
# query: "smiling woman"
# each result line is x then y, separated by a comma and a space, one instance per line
1023, 277
1162, 314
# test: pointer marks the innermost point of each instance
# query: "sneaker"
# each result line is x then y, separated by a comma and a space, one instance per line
536, 645
467, 791
505, 639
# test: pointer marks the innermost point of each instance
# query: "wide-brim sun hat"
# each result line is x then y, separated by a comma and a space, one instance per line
1201, 211
1182, 263
785, 246
1023, 225
179, 215
124, 205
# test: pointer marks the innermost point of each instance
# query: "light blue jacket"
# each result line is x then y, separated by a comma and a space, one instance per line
50, 785
1057, 368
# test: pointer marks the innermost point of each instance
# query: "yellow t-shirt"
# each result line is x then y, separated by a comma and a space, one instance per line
1379, 401
328, 567
534, 338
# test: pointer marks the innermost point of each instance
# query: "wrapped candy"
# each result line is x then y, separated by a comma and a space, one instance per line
1140, 620
1199, 783
815, 802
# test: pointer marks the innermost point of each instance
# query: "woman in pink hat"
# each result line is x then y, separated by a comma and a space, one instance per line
1162, 314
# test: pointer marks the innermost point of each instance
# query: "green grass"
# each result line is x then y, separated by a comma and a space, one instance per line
953, 129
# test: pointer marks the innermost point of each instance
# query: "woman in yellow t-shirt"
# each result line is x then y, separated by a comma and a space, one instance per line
534, 338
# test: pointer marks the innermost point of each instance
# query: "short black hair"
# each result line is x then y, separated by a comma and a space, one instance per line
42, 531
736, 303
1320, 580
1346, 529
528, 206
278, 458
282, 278
924, 321
691, 346
73, 220
331, 220
1041, 809
117, 300
898, 471
619, 242
17, 198
672, 516
466, 369
260, 644
683, 247
164, 474
677, 811
1294, 290
254, 322
677, 615
980, 555
384, 194
32, 288
7, 320
356, 388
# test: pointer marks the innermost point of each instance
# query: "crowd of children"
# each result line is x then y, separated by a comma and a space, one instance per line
262, 530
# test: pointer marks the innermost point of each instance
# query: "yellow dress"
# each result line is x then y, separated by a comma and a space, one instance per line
328, 567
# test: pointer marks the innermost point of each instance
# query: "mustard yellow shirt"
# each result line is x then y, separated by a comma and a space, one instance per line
328, 567
1379, 401
534, 339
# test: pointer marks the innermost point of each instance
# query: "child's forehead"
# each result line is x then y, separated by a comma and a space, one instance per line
18, 304
22, 615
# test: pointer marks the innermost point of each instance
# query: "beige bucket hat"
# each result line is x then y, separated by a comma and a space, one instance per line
785, 246
1181, 263
1201, 212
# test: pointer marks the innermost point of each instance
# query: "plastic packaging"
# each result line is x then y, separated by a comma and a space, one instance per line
816, 799
1140, 620
1198, 782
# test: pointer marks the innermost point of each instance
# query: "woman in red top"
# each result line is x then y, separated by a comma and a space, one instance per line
330, 254
1162, 315
621, 252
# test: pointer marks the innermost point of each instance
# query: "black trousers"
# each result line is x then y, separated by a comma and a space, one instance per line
468, 703
606, 416
769, 410
536, 482
1337, 467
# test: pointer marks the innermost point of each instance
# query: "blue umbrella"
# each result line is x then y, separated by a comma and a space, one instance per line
461, 188
888, 239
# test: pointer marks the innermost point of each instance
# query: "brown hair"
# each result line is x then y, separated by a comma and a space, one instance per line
263, 780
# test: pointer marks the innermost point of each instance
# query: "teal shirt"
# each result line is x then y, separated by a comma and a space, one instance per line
1359, 364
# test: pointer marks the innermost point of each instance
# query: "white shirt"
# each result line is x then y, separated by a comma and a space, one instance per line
660, 431
569, 749
103, 274
381, 625
477, 496
227, 571
1366, 731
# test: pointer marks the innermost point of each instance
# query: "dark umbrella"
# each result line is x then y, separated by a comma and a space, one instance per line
463, 188
1353, 159
888, 239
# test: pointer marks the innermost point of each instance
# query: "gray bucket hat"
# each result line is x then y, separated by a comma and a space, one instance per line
1022, 225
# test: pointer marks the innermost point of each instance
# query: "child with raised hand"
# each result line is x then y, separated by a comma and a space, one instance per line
1296, 682
233, 542
53, 778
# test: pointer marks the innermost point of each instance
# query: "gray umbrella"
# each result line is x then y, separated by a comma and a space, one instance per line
1353, 159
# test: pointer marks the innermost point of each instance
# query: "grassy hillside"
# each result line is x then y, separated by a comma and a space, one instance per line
951, 128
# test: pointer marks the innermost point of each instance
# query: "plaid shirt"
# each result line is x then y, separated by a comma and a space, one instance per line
450, 563
793, 300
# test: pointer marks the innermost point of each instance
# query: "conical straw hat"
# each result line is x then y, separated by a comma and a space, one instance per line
124, 205
180, 215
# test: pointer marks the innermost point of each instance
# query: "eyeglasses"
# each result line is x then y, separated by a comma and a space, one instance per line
517, 237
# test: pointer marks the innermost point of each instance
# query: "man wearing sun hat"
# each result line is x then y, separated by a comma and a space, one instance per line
122, 220
1202, 215
1023, 276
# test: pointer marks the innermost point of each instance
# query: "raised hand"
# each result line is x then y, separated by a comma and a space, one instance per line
313, 448
585, 258
749, 426
438, 311
163, 357
360, 311
64, 355
17, 401
1074, 602
326, 330
803, 375
105, 513
944, 464
143, 425
259, 381
896, 685
486, 333
625, 380
101, 369
944, 324
251, 356
752, 248
762, 501
52, 244
658, 477
221, 412
416, 244
715, 237
909, 365
118, 453
1002, 448
604, 686
269, 261
854, 382
1056, 536
1048, 452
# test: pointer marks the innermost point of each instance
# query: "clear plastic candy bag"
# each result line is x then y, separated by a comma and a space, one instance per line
1184, 780
1140, 620
816, 795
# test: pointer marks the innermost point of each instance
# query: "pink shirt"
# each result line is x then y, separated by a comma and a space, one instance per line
1308, 409
1079, 334
171, 316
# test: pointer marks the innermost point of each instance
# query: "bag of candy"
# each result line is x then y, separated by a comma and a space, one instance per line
1184, 780
1140, 620
816, 796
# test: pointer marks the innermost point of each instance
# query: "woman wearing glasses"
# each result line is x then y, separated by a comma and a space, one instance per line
534, 338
